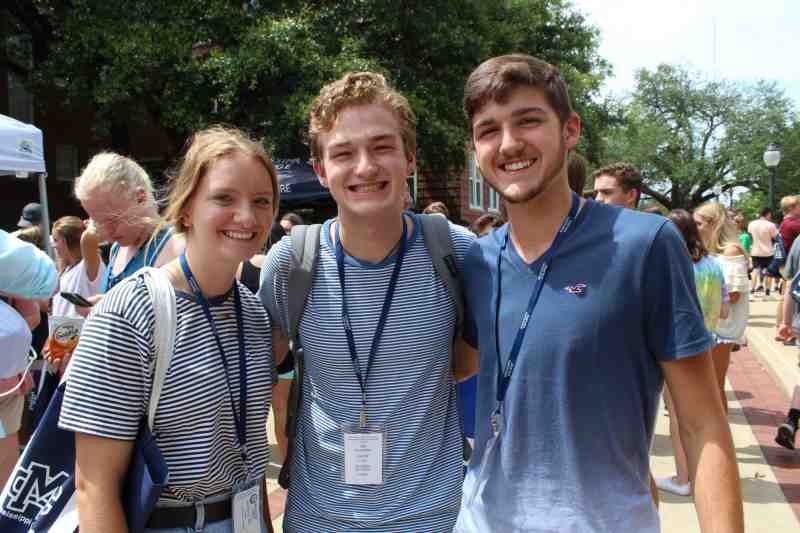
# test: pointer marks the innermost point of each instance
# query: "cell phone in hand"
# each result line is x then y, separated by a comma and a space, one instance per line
76, 299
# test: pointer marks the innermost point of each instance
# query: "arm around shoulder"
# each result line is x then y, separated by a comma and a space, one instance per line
465, 360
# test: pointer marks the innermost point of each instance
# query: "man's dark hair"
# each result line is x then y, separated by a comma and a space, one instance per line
765, 211
496, 78
626, 174
576, 172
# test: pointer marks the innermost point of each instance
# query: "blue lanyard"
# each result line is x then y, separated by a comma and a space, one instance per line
240, 421
348, 330
504, 373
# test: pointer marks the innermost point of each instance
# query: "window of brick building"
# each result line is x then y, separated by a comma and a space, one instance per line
475, 184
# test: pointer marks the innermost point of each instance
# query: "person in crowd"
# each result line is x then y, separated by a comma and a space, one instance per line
31, 216
547, 383
745, 239
79, 263
26, 272
118, 196
486, 223
618, 184
437, 208
720, 239
576, 172
31, 234
788, 231
788, 330
763, 231
223, 199
389, 390
15, 336
290, 220
712, 294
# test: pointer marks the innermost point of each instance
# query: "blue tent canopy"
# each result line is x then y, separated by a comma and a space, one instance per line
298, 182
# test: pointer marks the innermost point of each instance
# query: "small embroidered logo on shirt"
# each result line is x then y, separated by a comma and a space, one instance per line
578, 289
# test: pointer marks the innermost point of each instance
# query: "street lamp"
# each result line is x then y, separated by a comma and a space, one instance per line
772, 156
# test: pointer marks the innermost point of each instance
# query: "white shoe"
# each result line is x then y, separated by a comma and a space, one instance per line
668, 484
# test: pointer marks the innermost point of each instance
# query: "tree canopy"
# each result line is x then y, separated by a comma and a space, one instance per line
695, 138
258, 65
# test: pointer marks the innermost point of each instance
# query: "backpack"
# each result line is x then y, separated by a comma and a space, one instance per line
305, 255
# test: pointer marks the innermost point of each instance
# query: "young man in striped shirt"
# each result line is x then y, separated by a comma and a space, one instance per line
378, 443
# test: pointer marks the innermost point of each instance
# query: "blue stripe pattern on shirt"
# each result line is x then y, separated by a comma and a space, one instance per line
108, 386
410, 391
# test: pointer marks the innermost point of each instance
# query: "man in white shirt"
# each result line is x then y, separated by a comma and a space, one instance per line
763, 231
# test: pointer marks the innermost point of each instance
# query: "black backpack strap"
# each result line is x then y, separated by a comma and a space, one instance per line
305, 253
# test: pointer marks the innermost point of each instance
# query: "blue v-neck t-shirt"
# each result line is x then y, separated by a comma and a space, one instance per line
619, 299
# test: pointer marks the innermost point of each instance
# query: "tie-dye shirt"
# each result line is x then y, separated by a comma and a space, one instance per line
711, 291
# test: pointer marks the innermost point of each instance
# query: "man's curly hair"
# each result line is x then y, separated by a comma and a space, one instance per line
354, 89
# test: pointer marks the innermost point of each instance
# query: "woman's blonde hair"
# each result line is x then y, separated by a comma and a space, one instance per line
723, 230
115, 174
206, 147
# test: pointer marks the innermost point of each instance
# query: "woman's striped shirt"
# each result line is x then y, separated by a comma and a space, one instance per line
111, 373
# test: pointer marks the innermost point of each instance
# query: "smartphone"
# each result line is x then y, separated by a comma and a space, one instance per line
76, 299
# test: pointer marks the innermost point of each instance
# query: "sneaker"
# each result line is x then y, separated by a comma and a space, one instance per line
767, 293
668, 484
785, 436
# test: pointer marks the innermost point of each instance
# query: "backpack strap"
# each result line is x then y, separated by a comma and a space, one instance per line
305, 253
439, 242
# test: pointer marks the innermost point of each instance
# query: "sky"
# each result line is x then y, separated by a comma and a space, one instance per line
754, 39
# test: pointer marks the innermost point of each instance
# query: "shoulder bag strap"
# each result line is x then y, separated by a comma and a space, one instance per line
162, 295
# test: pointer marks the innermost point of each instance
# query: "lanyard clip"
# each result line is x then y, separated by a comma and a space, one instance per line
497, 419
362, 418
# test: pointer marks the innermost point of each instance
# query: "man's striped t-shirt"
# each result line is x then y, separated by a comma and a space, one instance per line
410, 391
108, 386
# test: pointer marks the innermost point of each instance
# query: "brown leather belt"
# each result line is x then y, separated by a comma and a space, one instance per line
186, 516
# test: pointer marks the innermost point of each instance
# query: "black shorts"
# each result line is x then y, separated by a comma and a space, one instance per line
760, 263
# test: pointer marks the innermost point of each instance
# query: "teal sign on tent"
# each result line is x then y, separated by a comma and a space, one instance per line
298, 182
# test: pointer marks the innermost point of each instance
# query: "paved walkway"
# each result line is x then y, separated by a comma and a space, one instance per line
760, 380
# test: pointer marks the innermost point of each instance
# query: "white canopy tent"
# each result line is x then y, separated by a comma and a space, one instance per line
22, 156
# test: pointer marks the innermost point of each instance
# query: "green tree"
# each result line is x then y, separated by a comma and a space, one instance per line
694, 139
187, 63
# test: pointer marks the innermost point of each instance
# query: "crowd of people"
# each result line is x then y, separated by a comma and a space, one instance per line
565, 317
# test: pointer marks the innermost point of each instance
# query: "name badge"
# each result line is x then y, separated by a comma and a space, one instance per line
364, 450
248, 507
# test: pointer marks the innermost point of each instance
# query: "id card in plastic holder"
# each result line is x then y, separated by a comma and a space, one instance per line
364, 454
248, 507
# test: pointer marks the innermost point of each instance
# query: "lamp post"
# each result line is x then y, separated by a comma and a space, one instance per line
772, 156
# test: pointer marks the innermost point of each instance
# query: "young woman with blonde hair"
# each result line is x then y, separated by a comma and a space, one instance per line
210, 423
721, 240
